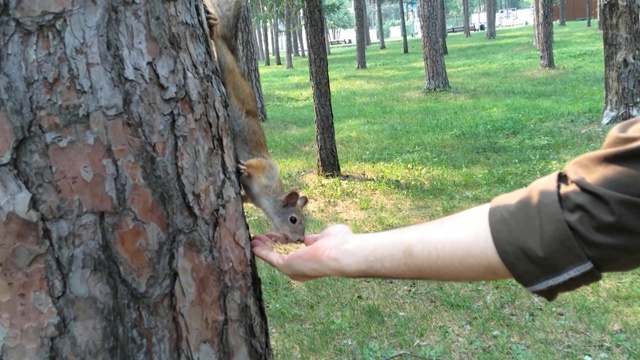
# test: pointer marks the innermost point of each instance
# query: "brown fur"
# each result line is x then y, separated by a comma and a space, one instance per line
259, 174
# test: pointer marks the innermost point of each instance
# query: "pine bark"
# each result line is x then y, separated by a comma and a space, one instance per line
435, 70
122, 234
328, 163
621, 34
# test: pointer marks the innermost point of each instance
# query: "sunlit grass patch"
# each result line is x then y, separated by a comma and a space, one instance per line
407, 157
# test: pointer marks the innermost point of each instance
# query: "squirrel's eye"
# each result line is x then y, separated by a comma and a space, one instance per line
293, 220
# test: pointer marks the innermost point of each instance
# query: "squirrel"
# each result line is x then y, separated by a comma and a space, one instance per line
259, 174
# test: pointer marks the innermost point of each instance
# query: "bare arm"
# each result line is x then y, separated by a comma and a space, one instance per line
457, 247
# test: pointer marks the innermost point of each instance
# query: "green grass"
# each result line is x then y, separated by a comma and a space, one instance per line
407, 157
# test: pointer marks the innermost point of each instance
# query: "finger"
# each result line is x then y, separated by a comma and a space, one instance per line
266, 253
310, 239
263, 238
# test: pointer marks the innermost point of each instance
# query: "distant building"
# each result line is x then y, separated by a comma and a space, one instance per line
576, 10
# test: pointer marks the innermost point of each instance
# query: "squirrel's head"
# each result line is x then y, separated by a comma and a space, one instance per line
290, 218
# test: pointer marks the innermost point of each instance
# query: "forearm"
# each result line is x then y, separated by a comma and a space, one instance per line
457, 247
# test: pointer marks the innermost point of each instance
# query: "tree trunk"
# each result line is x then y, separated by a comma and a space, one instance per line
465, 14
276, 39
294, 34
287, 35
361, 46
621, 35
299, 32
328, 164
403, 30
536, 24
436, 72
545, 33
588, 13
326, 37
600, 15
442, 19
260, 42
380, 24
562, 7
248, 61
122, 232
265, 33
367, 23
490, 29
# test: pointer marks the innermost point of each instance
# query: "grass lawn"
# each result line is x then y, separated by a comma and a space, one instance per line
409, 156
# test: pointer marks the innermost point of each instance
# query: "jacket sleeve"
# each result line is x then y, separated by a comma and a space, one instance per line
564, 230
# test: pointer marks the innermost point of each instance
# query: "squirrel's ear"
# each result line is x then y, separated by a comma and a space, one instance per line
290, 199
302, 201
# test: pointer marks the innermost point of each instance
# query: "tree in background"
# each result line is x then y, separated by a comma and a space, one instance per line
490, 28
264, 19
338, 16
328, 163
248, 60
380, 24
403, 29
275, 37
562, 7
361, 46
299, 33
465, 16
122, 232
588, 13
442, 13
287, 35
621, 37
435, 70
544, 30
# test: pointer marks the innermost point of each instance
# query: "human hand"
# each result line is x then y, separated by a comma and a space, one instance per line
321, 256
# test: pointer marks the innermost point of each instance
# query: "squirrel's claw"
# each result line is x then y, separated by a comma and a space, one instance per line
242, 166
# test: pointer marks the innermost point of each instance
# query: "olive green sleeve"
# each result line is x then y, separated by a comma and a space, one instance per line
565, 229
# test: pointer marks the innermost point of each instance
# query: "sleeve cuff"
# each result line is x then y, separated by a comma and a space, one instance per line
534, 241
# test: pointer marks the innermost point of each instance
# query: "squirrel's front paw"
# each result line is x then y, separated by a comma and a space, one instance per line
212, 20
242, 167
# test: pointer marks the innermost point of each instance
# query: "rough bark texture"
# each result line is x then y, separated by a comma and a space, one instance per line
621, 34
435, 70
248, 60
328, 164
544, 25
361, 46
380, 24
490, 29
403, 29
122, 234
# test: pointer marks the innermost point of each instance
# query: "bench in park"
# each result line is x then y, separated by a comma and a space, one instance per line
338, 42
455, 29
